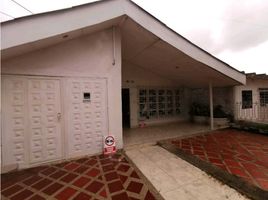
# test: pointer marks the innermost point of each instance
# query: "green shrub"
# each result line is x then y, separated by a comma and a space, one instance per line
198, 109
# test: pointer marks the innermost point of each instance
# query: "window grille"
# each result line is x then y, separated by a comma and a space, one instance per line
159, 103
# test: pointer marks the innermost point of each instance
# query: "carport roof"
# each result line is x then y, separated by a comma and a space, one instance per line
29, 33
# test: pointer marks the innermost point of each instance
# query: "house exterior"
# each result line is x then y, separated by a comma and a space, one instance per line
68, 78
251, 100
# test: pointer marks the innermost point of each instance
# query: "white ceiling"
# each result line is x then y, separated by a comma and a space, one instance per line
144, 49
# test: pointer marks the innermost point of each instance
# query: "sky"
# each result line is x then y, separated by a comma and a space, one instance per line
235, 31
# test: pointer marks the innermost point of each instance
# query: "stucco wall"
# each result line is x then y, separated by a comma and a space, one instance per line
135, 77
253, 85
87, 56
256, 112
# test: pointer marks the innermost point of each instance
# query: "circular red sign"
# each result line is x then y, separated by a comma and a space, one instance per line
109, 141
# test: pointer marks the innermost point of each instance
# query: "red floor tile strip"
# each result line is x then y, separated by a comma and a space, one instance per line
239, 153
96, 177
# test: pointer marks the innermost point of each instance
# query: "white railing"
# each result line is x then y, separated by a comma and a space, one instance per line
254, 112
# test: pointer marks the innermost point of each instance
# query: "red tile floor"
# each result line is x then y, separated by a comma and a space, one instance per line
238, 152
96, 177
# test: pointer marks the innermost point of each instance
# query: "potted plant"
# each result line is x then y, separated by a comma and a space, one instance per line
220, 117
199, 113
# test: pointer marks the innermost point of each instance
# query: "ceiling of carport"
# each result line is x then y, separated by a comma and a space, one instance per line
141, 48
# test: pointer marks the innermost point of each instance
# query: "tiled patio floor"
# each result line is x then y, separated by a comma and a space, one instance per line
237, 152
152, 134
96, 177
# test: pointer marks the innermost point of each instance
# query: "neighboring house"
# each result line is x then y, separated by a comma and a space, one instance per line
251, 100
66, 75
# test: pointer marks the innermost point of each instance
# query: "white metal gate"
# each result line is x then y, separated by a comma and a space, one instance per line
31, 120
86, 105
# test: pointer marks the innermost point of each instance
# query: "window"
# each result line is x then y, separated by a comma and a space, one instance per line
158, 103
263, 96
246, 99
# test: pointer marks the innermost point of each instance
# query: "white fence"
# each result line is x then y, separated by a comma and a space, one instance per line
255, 112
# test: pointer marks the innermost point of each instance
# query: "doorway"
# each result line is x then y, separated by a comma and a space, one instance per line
125, 108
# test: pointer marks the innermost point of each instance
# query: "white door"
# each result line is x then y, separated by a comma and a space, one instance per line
31, 120
15, 121
87, 115
44, 120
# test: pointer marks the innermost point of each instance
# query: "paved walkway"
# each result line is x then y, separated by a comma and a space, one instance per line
176, 179
95, 178
237, 152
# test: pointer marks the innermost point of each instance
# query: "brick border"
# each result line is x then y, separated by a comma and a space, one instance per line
233, 181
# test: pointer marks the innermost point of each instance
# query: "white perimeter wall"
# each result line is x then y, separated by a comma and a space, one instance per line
87, 56
135, 77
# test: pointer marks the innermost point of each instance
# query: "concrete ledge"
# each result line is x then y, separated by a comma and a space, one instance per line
155, 192
233, 181
9, 168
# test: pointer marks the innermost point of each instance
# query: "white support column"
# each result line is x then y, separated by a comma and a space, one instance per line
211, 105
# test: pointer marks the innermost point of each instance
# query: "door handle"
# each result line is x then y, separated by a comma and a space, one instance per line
59, 116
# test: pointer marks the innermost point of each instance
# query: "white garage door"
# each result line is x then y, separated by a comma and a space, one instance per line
31, 120
86, 105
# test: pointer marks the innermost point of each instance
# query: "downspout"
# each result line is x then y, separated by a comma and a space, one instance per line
211, 106
114, 47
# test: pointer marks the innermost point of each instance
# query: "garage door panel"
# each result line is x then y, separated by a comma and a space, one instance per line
44, 104
15, 121
87, 119
31, 131
32, 126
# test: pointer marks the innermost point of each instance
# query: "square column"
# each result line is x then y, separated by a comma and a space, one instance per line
211, 105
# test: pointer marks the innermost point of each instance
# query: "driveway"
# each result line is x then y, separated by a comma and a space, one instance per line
176, 179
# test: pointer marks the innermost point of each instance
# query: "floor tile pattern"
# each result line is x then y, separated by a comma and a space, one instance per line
239, 153
96, 178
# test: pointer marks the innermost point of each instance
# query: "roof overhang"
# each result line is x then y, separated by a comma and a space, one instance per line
37, 31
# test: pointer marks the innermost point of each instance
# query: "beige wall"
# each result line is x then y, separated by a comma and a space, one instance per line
88, 56
253, 85
135, 77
